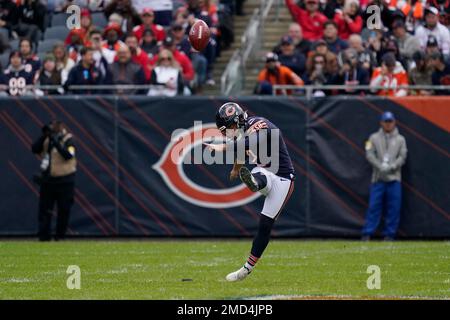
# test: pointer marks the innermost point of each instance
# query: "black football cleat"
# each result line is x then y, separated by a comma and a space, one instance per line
247, 178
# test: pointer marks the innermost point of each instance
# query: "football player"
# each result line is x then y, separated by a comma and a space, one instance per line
275, 182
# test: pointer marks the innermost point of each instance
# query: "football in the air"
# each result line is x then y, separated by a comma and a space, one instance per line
199, 35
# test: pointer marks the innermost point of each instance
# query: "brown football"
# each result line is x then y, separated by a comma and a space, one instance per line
199, 35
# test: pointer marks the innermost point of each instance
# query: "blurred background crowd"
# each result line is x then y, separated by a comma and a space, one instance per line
129, 42
136, 42
346, 42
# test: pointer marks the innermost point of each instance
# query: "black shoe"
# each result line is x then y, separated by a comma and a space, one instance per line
247, 178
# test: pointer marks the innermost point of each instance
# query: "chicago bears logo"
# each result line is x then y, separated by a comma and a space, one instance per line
170, 167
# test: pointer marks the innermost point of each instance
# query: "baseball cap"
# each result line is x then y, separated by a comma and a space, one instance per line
432, 10
319, 43
168, 41
85, 13
287, 40
432, 41
387, 116
147, 11
389, 59
271, 57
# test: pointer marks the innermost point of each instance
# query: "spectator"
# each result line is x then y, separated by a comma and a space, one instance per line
308, 17
433, 27
125, 71
390, 45
317, 72
273, 74
57, 180
367, 59
84, 73
444, 10
31, 20
116, 18
386, 152
199, 61
148, 43
432, 45
125, 9
204, 10
103, 57
166, 76
62, 60
290, 58
112, 34
348, 20
407, 43
421, 73
16, 77
9, 16
225, 36
413, 11
183, 60
29, 59
161, 8
351, 73
330, 7
441, 72
331, 62
330, 35
74, 42
138, 55
390, 75
86, 21
49, 75
148, 18
302, 46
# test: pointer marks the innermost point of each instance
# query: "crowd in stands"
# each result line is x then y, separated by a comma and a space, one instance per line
339, 42
126, 42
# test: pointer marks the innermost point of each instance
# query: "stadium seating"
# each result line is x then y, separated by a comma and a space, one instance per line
59, 19
47, 45
56, 32
99, 20
4, 59
4, 33
14, 44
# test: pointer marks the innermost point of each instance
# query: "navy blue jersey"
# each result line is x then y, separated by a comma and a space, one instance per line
260, 131
17, 80
32, 64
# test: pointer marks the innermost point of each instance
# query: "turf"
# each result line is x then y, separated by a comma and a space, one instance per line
156, 269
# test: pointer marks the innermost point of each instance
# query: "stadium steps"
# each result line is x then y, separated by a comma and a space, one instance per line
272, 34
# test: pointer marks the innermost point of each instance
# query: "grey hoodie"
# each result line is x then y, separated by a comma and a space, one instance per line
387, 148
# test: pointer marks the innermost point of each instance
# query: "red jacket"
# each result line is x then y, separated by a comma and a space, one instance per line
158, 30
346, 29
185, 63
142, 59
312, 25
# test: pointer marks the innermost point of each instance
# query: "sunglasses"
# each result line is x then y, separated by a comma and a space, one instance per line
166, 59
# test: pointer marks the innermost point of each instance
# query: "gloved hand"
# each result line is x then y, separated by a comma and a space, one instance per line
386, 168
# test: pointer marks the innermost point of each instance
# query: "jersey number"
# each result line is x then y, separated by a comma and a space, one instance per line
17, 86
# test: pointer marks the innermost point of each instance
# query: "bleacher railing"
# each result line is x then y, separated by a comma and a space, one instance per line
311, 91
233, 77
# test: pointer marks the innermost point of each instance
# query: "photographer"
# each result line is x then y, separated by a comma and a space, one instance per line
57, 179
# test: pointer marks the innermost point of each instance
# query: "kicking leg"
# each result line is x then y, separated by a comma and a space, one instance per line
260, 243
277, 191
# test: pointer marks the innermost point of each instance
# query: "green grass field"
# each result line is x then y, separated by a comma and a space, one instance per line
155, 269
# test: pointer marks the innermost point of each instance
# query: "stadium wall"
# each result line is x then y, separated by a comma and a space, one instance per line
125, 185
